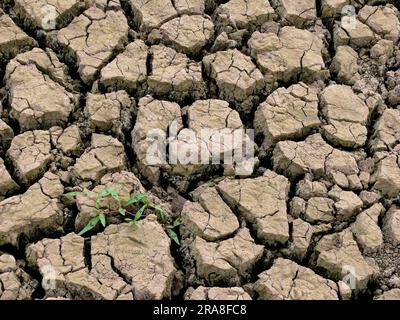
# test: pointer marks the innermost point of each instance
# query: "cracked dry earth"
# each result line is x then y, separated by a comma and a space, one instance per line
319, 217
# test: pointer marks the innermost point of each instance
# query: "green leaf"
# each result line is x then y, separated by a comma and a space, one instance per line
115, 195
128, 220
172, 234
72, 194
102, 219
177, 223
102, 194
90, 225
159, 209
122, 211
98, 201
136, 198
140, 212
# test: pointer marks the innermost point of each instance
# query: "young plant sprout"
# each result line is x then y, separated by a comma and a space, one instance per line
124, 205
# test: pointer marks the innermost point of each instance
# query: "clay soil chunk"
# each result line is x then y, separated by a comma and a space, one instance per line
286, 280
91, 39
145, 248
128, 71
37, 97
217, 293
347, 116
12, 38
210, 218
188, 33
292, 53
338, 255
297, 13
7, 184
15, 284
105, 155
243, 14
225, 262
383, 20
174, 74
48, 14
35, 212
262, 201
30, 153
235, 75
287, 114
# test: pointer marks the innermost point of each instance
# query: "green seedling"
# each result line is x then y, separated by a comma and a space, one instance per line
140, 200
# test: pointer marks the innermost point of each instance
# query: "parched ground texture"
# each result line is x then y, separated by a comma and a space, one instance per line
83, 82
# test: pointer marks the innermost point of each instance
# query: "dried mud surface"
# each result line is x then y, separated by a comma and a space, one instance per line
319, 217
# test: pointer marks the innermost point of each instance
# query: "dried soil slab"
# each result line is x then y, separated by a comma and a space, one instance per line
393, 86
12, 39
38, 98
69, 141
37, 211
106, 112
347, 203
91, 39
47, 62
188, 33
297, 13
235, 75
48, 14
227, 261
215, 133
210, 218
212, 113
145, 249
386, 177
244, 14
366, 229
383, 20
216, 293
347, 116
30, 153
338, 255
313, 155
287, 114
125, 182
333, 8
391, 225
386, 131
393, 294
128, 71
344, 65
354, 34
291, 54
152, 14
105, 155
61, 262
301, 237
154, 118
262, 201
6, 136
7, 184
319, 209
190, 6
307, 189
286, 280
174, 74
15, 284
